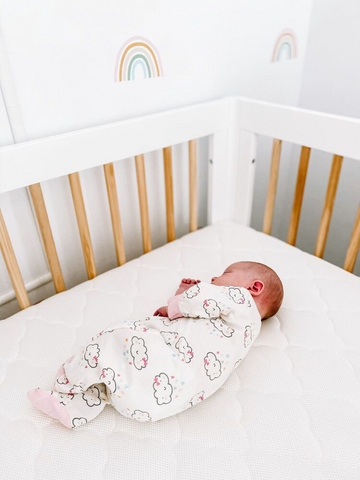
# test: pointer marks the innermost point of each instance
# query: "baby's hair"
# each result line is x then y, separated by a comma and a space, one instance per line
274, 291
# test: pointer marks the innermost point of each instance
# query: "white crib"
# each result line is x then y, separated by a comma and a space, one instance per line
292, 408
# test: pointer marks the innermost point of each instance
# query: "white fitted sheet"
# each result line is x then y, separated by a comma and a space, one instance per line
290, 410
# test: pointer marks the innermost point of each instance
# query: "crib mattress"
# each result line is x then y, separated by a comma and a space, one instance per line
290, 410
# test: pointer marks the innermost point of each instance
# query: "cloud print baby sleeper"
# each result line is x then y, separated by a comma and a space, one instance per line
156, 367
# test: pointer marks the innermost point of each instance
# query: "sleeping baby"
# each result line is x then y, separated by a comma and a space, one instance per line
158, 366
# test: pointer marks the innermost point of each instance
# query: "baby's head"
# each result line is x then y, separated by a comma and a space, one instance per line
261, 281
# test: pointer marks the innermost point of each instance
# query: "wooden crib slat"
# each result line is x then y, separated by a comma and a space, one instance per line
298, 196
328, 205
169, 194
144, 209
47, 236
12, 266
115, 212
193, 186
354, 245
79, 205
274, 174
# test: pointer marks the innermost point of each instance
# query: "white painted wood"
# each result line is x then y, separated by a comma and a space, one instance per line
231, 173
219, 179
323, 131
52, 157
232, 122
244, 177
210, 182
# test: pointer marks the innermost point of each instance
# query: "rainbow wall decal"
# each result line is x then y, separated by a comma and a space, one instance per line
138, 59
285, 47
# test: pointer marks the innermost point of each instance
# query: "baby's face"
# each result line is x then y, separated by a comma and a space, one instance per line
236, 277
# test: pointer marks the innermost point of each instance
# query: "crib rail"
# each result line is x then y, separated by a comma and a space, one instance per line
334, 134
32, 162
232, 124
330, 133
51, 157
333, 182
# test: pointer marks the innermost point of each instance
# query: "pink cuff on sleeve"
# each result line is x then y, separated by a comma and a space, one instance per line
173, 307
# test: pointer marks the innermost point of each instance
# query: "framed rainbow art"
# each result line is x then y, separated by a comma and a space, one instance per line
138, 59
285, 47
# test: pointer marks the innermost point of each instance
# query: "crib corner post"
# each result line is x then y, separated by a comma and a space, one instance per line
244, 177
218, 205
231, 175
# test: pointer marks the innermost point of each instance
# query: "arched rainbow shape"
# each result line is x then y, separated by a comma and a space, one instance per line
138, 58
285, 47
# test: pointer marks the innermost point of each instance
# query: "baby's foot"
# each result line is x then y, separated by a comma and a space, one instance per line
49, 404
185, 284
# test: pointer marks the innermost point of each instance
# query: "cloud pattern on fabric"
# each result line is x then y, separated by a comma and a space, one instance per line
212, 366
162, 389
62, 380
185, 350
92, 396
222, 327
76, 389
141, 416
138, 352
92, 354
169, 337
167, 322
236, 295
236, 364
65, 398
198, 398
192, 291
108, 378
212, 308
139, 326
100, 334
78, 421
247, 336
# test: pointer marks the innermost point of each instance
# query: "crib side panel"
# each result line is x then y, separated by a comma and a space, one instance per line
334, 135
68, 154
330, 133
39, 160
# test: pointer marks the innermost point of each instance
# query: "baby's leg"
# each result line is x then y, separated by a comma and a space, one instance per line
72, 403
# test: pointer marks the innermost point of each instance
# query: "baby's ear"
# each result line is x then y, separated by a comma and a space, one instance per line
256, 287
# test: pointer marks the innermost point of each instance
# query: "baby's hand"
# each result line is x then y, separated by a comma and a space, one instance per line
185, 284
161, 312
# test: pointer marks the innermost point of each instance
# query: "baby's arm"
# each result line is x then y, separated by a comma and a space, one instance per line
185, 284
209, 301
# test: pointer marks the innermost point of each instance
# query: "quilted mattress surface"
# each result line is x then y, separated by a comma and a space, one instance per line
291, 410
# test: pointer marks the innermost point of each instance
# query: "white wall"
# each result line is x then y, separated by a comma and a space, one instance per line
62, 58
330, 83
